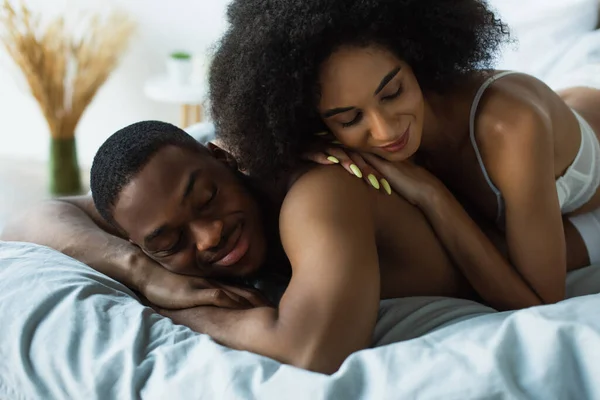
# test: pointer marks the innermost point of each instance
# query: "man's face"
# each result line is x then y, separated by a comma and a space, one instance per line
190, 212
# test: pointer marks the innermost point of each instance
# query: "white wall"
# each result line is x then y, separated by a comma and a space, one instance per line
195, 25
191, 25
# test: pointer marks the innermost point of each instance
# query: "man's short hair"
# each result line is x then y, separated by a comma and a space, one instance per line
123, 155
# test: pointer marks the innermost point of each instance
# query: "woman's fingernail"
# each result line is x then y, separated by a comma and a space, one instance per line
321, 133
333, 159
355, 170
374, 181
336, 142
386, 186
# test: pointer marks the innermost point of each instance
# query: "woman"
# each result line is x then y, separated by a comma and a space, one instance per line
404, 84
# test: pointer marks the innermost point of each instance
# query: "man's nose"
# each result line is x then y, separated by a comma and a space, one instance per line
207, 234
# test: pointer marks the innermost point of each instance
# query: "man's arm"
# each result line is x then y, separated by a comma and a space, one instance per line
330, 307
74, 227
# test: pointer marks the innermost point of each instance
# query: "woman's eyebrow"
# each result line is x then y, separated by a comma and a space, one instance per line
335, 111
386, 79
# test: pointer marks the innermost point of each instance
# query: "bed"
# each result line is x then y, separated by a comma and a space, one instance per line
68, 332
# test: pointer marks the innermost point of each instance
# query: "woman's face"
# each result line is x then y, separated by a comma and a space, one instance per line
371, 101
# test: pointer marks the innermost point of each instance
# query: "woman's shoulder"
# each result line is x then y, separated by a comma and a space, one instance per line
512, 120
495, 90
513, 105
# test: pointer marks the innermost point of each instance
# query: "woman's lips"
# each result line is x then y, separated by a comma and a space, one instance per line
239, 249
398, 144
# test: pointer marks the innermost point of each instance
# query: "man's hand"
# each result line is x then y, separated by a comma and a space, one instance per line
168, 290
221, 323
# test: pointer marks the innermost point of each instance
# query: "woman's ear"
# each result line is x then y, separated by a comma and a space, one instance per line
222, 155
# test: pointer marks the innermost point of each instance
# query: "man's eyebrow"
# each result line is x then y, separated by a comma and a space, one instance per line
386, 79
188, 189
190, 185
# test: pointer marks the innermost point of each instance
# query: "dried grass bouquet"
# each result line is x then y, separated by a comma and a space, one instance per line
64, 66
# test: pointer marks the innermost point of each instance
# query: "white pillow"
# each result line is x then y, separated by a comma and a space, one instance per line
203, 132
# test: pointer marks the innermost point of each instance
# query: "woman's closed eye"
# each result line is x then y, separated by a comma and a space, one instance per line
394, 95
354, 121
357, 118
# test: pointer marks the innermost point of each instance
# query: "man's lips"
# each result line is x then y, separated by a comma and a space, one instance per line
236, 248
398, 144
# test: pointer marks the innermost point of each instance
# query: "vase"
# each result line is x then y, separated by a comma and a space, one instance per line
65, 178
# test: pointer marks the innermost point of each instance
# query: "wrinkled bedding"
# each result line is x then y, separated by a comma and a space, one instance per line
68, 332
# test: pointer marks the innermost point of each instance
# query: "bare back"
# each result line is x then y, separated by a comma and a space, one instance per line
412, 261
586, 101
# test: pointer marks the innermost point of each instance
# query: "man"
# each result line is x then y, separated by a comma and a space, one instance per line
164, 204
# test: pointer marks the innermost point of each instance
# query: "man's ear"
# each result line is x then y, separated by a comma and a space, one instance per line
222, 155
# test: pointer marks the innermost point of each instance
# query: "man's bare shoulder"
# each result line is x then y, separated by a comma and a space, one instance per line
324, 187
326, 219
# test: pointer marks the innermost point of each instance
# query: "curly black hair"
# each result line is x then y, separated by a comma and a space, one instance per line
124, 154
263, 79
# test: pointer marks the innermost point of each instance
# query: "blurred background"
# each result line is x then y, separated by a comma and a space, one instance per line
162, 72
161, 28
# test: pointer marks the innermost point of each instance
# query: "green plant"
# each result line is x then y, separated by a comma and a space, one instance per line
181, 55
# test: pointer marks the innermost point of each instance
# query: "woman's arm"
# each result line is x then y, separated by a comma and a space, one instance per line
330, 307
490, 274
518, 149
517, 146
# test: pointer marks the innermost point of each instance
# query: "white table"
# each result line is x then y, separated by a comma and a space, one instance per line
190, 96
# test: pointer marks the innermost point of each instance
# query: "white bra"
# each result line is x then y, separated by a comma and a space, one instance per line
581, 180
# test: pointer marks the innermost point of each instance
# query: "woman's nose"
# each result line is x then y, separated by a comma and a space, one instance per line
382, 130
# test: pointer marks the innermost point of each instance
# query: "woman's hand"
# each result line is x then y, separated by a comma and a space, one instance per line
413, 182
352, 162
168, 290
